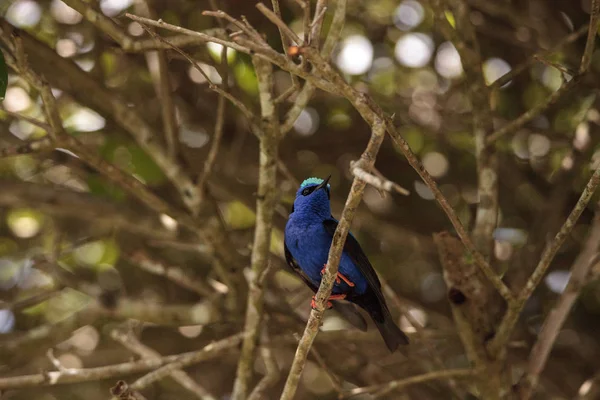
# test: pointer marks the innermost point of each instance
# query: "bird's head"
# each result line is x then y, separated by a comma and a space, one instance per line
313, 197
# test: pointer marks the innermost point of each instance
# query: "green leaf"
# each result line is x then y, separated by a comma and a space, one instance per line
3, 76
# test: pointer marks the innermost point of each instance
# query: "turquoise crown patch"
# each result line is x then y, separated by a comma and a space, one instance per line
312, 181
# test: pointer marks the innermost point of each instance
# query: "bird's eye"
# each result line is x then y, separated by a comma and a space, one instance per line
306, 192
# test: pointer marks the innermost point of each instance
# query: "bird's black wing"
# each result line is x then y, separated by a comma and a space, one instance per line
356, 253
347, 310
291, 262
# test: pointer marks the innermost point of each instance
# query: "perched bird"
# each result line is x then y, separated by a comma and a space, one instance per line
308, 235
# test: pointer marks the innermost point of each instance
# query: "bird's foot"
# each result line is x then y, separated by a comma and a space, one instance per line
313, 302
339, 278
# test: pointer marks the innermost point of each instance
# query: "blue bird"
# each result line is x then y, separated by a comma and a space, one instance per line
308, 235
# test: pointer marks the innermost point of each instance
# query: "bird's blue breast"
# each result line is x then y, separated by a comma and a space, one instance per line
309, 244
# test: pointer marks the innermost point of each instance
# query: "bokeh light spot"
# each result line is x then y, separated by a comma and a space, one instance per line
408, 15
16, 99
436, 164
307, 122
414, 50
24, 13
64, 14
356, 55
447, 61
557, 280
495, 68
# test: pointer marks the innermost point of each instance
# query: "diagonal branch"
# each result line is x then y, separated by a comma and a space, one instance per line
367, 160
512, 315
557, 317
129, 341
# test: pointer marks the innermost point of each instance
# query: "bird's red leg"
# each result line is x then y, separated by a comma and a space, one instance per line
339, 278
313, 303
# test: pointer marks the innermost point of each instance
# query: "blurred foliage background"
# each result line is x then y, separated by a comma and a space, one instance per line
78, 255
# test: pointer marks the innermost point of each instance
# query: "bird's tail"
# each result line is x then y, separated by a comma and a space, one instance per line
380, 314
391, 334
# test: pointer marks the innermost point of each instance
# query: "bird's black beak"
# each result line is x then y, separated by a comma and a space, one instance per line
323, 184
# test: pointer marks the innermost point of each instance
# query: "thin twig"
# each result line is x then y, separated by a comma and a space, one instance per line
533, 112
367, 160
586, 58
163, 87
402, 383
510, 75
174, 274
317, 23
211, 158
377, 182
274, 18
32, 121
179, 29
272, 369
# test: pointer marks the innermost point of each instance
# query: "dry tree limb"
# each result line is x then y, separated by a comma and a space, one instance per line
265, 206
172, 362
163, 88
367, 160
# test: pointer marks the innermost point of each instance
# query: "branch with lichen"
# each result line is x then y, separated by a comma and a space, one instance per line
265, 207
367, 160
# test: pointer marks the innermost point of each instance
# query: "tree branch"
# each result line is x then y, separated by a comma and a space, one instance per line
161, 366
265, 207
388, 387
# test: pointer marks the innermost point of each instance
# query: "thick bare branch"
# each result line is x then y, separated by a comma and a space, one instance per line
265, 207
